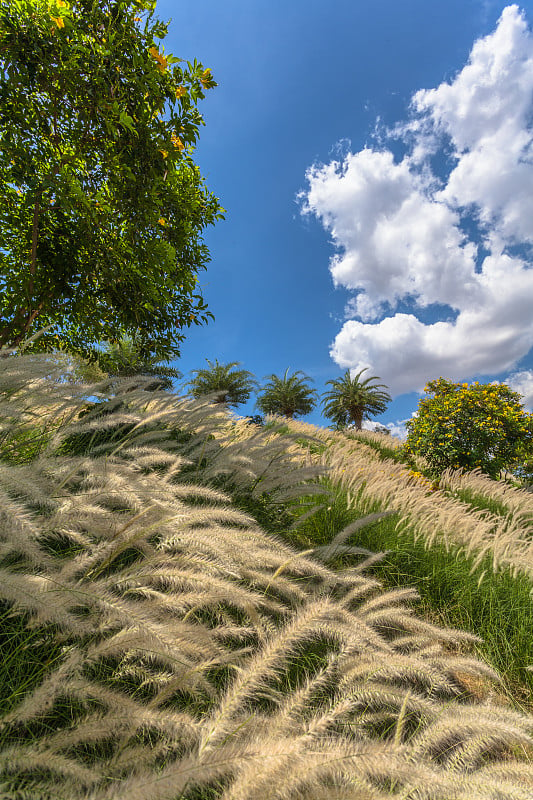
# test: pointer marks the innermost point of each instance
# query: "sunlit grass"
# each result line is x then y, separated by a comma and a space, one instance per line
494, 605
207, 630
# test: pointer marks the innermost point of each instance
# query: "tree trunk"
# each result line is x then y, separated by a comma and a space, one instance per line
358, 418
17, 330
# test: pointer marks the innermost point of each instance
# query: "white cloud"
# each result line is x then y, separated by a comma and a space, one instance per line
489, 337
491, 91
522, 382
392, 237
397, 428
486, 112
397, 230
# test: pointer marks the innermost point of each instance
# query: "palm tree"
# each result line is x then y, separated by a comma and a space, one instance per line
127, 358
287, 396
229, 387
353, 399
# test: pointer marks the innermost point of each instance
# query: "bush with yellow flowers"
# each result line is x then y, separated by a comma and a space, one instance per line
469, 426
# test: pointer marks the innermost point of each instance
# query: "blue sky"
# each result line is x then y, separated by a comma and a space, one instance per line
376, 164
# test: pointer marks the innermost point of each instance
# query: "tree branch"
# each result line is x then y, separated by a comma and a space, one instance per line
34, 241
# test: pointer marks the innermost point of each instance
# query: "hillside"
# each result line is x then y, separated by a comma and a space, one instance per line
185, 616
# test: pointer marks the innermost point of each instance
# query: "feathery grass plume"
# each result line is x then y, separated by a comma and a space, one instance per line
500, 496
310, 622
386, 446
192, 654
19, 531
290, 769
19, 760
337, 546
485, 729
432, 515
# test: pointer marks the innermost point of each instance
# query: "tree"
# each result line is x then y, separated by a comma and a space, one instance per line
288, 396
469, 426
126, 358
102, 207
353, 399
255, 419
229, 386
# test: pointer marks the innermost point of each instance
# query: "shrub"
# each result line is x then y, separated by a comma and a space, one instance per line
478, 426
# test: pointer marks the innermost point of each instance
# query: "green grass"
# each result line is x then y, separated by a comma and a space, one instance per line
495, 606
478, 501
396, 454
28, 655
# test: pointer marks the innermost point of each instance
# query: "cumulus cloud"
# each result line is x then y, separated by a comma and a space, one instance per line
522, 382
486, 113
397, 428
392, 237
399, 234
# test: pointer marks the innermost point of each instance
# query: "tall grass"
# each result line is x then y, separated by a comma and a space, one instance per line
432, 515
458, 585
187, 653
500, 497
453, 591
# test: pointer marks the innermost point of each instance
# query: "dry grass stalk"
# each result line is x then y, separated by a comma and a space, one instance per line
433, 515
199, 654
517, 501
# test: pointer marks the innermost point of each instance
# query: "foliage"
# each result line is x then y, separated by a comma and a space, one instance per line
82, 370
524, 469
102, 207
471, 426
127, 358
352, 399
230, 386
287, 396
255, 419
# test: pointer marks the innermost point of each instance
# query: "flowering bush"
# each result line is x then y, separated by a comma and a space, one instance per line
481, 425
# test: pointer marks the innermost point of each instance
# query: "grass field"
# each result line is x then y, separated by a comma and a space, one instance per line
194, 608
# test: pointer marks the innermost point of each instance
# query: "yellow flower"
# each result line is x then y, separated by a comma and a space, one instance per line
180, 91
162, 221
164, 153
58, 21
161, 60
206, 77
176, 141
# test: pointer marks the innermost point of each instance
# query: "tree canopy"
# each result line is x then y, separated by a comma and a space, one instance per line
126, 358
102, 207
289, 396
353, 399
477, 425
228, 385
